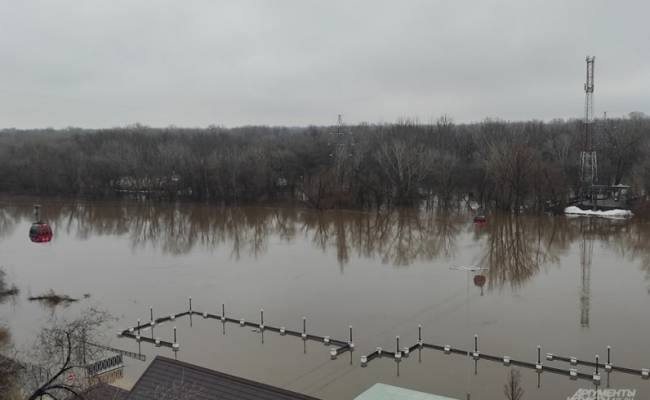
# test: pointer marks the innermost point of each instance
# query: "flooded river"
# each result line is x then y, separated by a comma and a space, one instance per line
570, 285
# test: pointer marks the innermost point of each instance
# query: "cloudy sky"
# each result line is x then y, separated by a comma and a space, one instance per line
93, 63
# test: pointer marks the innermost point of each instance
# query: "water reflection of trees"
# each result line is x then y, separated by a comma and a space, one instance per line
516, 248
398, 237
513, 248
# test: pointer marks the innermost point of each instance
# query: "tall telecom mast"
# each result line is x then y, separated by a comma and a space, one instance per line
588, 161
588, 177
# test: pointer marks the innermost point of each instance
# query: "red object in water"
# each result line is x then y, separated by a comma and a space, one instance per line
40, 232
480, 219
479, 280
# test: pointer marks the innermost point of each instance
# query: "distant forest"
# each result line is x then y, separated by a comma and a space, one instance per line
500, 165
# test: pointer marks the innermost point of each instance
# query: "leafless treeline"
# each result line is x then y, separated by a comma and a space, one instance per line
504, 165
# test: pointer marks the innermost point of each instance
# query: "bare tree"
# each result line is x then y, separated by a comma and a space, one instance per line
60, 353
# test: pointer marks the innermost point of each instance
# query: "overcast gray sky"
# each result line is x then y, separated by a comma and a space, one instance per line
106, 63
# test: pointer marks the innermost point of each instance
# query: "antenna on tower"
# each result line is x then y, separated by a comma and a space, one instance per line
588, 160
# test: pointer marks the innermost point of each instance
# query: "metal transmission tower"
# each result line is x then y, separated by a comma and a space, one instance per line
588, 177
588, 160
339, 128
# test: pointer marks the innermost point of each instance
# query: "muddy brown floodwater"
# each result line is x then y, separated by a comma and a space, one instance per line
571, 285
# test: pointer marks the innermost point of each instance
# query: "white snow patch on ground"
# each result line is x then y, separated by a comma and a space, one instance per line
573, 210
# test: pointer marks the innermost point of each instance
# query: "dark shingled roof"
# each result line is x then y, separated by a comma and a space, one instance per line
167, 379
102, 391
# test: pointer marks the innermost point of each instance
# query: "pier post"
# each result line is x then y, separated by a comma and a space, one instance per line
261, 318
190, 301
223, 312
596, 376
304, 327
608, 366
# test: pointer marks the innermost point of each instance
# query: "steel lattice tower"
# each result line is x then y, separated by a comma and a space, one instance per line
588, 160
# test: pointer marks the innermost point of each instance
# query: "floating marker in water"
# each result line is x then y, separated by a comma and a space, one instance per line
326, 339
242, 322
364, 361
172, 317
283, 330
645, 373
549, 356
157, 342
573, 373
205, 315
447, 349
506, 360
379, 351
573, 361
333, 353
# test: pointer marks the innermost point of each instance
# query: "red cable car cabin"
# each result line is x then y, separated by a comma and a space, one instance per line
40, 232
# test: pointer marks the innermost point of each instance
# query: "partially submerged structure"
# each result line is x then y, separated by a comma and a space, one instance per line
591, 195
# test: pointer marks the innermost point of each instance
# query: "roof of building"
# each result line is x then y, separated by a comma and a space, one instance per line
103, 391
380, 391
171, 379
